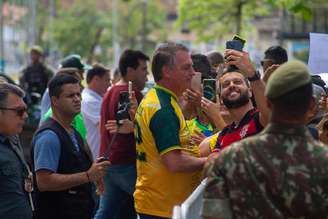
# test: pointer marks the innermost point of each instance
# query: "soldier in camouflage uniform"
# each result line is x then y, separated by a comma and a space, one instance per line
280, 173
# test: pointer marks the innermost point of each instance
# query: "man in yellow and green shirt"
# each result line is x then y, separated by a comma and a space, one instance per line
168, 166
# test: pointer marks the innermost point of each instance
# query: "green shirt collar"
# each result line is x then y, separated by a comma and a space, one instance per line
167, 91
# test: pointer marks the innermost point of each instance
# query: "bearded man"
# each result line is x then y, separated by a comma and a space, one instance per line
236, 90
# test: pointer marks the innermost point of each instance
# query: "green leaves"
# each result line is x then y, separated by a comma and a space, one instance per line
213, 19
85, 27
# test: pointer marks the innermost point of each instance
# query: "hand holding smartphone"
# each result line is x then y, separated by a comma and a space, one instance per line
209, 89
102, 159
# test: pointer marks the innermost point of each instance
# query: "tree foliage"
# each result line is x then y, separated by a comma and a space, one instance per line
85, 27
211, 19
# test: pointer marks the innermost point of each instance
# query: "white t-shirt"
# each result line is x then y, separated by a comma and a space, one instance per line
90, 108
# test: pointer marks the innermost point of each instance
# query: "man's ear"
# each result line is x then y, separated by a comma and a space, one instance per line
130, 72
250, 92
54, 101
166, 71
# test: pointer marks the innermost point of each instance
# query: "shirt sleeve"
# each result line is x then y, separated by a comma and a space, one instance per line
46, 151
216, 202
165, 127
45, 103
91, 111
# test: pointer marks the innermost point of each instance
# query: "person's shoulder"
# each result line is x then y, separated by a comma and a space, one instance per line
150, 101
50, 70
238, 148
114, 91
45, 139
89, 96
46, 134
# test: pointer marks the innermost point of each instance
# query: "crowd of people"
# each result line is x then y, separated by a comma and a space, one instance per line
110, 150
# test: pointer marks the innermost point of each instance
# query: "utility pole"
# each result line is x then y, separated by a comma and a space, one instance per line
115, 40
32, 33
144, 25
51, 30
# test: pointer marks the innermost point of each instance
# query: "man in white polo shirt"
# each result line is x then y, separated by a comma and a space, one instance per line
98, 80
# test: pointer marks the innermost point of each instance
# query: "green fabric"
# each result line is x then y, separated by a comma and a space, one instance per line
202, 127
166, 134
286, 78
77, 123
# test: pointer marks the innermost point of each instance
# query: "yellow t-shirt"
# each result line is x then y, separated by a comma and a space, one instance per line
160, 128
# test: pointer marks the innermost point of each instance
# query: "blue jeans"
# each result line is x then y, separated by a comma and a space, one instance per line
145, 216
120, 182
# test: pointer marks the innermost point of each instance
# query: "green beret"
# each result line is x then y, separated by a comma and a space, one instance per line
286, 78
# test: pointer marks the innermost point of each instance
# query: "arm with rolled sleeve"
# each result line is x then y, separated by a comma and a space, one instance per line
165, 128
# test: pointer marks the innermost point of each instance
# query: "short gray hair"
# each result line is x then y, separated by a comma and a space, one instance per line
165, 55
6, 89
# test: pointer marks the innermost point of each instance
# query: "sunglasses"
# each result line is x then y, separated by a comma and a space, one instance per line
19, 110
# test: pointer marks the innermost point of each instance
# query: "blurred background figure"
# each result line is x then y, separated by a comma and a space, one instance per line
316, 113
36, 75
217, 63
98, 81
274, 56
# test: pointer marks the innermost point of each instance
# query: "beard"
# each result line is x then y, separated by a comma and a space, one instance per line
234, 104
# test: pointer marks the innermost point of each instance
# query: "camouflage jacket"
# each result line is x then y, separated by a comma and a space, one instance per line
280, 173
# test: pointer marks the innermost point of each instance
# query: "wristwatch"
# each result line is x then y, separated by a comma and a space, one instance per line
256, 77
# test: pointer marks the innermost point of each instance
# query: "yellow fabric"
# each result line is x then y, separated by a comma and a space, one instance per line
192, 126
213, 140
157, 189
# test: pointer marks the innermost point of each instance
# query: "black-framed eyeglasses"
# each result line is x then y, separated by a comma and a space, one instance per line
19, 110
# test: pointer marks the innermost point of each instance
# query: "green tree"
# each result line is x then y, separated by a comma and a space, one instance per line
80, 29
85, 27
143, 24
211, 19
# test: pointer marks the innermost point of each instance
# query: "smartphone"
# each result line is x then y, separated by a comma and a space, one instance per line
234, 44
130, 87
102, 159
124, 97
242, 40
196, 82
209, 89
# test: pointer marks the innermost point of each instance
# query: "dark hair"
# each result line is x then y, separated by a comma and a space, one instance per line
130, 58
96, 70
165, 55
215, 58
316, 79
277, 54
202, 65
229, 70
70, 71
295, 102
58, 81
6, 89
